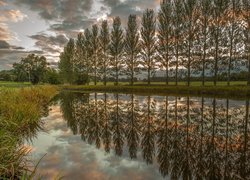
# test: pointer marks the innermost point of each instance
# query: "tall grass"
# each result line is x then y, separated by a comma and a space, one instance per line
20, 113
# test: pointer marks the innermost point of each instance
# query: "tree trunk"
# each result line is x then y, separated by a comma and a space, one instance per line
132, 73
95, 71
216, 55
177, 65
105, 76
116, 70
230, 56
149, 70
189, 56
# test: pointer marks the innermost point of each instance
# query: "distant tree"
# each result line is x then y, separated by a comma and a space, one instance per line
95, 49
66, 63
88, 52
148, 48
52, 76
164, 18
20, 74
132, 47
104, 46
33, 66
116, 46
7, 75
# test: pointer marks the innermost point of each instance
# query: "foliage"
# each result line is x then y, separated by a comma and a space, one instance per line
116, 47
52, 76
32, 68
66, 63
104, 46
148, 43
132, 47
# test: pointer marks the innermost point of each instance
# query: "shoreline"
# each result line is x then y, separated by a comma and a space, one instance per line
210, 91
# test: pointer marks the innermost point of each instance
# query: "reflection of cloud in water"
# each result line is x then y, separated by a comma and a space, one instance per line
72, 158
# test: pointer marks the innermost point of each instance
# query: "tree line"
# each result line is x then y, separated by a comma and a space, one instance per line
185, 38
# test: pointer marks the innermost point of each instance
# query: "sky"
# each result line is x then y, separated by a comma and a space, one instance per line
43, 27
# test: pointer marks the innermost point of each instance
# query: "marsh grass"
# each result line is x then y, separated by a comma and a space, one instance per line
20, 113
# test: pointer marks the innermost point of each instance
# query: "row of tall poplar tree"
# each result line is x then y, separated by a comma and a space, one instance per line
206, 37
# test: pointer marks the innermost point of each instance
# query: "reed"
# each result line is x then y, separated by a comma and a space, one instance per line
20, 113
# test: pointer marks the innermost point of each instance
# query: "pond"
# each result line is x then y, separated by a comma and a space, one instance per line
122, 136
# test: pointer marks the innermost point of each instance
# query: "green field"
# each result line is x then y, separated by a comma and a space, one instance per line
14, 84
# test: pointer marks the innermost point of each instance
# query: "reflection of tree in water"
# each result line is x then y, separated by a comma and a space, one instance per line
163, 139
148, 130
70, 103
117, 119
242, 161
198, 138
133, 126
106, 128
94, 124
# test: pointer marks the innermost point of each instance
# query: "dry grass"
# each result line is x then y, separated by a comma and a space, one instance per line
20, 112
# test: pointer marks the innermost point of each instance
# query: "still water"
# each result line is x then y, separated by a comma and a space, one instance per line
119, 136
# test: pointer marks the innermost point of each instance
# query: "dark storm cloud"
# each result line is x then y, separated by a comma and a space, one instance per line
59, 9
68, 15
4, 45
8, 57
50, 44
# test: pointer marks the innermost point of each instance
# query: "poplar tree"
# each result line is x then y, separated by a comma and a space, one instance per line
233, 33
116, 46
66, 64
190, 21
246, 15
205, 15
218, 15
104, 47
132, 47
80, 64
95, 50
164, 28
148, 43
88, 51
177, 36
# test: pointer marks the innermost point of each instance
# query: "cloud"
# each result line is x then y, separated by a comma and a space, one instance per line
50, 44
10, 56
5, 33
6, 16
2, 3
63, 15
6, 45
11, 15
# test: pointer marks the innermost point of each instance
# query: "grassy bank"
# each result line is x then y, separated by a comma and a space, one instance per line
20, 113
12, 84
237, 91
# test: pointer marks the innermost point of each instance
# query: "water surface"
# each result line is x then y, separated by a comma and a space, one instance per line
119, 136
